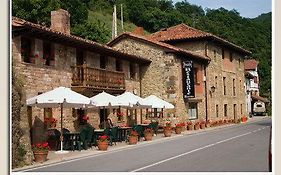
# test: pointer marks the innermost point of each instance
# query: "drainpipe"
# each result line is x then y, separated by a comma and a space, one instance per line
206, 92
205, 81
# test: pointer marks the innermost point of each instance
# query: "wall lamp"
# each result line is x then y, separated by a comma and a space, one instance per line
212, 89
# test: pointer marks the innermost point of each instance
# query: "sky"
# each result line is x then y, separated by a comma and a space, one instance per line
246, 8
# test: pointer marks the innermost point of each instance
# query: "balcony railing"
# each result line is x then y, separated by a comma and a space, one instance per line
97, 78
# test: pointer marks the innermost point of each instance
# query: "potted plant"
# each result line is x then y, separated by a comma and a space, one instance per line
103, 142
133, 138
178, 128
168, 130
196, 125
244, 119
190, 125
40, 151
202, 124
148, 134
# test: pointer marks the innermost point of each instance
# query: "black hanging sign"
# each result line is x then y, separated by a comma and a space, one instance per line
188, 79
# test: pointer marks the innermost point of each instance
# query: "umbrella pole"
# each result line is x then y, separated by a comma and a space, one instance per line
104, 117
61, 151
61, 137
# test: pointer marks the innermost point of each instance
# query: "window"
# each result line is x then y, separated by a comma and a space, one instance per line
239, 61
234, 88
132, 71
26, 51
222, 53
241, 109
119, 66
231, 56
217, 111
255, 79
240, 85
48, 113
216, 81
225, 110
48, 53
192, 110
103, 62
215, 54
224, 85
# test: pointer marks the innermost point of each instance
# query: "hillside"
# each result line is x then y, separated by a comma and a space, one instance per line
92, 19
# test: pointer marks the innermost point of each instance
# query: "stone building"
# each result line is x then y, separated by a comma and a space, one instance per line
46, 58
163, 76
219, 82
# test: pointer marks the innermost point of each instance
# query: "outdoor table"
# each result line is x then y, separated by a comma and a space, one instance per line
122, 133
96, 134
144, 126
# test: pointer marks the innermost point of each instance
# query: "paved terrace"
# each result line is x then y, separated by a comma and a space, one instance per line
56, 158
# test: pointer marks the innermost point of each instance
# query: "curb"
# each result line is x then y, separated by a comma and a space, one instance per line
143, 143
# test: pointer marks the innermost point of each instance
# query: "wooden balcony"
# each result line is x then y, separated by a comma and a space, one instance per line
96, 80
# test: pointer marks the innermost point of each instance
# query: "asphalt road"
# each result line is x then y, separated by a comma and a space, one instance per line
239, 148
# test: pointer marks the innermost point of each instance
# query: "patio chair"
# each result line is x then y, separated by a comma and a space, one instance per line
140, 130
113, 135
154, 127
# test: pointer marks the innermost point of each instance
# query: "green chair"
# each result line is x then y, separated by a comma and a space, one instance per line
113, 135
154, 127
140, 130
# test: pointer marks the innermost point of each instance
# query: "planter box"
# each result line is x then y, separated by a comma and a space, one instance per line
202, 126
178, 130
196, 127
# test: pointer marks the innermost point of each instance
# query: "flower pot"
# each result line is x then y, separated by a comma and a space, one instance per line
196, 127
148, 136
133, 140
208, 125
102, 146
167, 133
178, 130
202, 126
190, 127
40, 156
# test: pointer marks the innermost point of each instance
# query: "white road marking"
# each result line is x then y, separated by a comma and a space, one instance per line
133, 146
198, 149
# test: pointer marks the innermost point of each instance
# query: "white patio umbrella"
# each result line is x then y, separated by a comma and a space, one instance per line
157, 102
60, 97
132, 101
104, 100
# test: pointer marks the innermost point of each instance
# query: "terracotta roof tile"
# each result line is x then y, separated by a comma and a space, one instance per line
17, 22
250, 64
184, 32
161, 44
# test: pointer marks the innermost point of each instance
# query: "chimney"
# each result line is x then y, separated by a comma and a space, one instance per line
60, 21
138, 31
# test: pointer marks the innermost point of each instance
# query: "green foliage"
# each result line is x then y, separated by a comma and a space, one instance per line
95, 31
92, 19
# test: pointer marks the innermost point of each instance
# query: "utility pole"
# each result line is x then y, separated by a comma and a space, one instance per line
122, 25
114, 23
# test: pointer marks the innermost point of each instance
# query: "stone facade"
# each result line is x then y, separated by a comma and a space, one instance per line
40, 78
162, 77
220, 67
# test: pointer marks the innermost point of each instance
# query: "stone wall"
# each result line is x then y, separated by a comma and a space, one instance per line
216, 70
39, 78
162, 77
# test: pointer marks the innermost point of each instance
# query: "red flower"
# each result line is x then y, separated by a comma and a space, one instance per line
103, 138
85, 117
